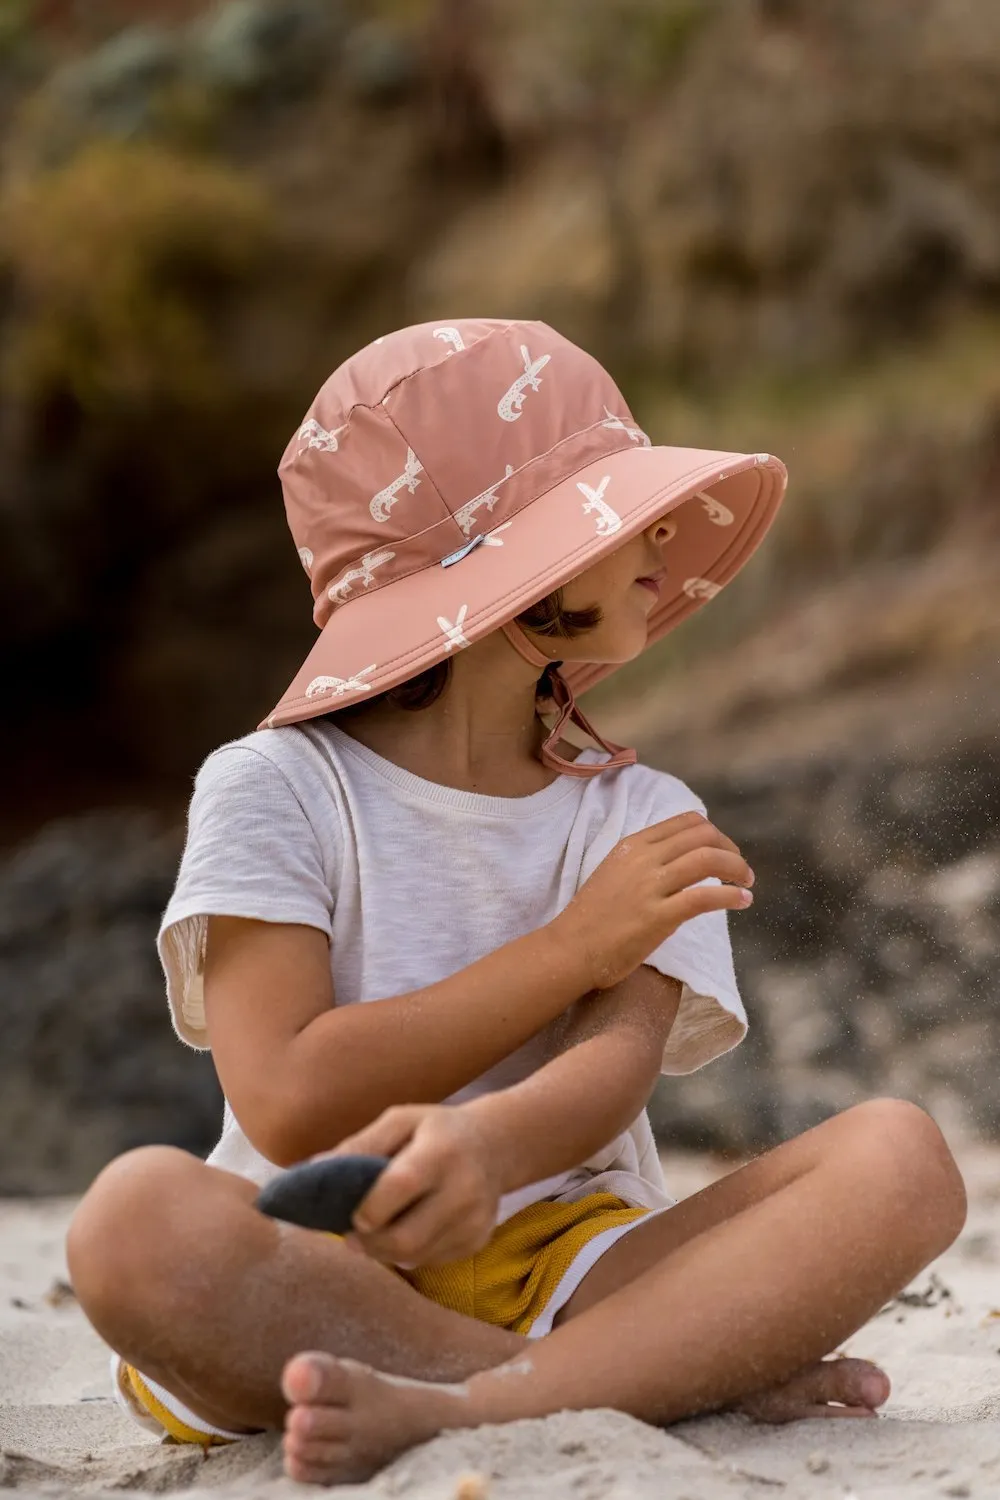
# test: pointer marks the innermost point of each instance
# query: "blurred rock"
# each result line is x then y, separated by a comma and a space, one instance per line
257, 49
379, 64
168, 307
90, 1066
881, 980
115, 88
159, 80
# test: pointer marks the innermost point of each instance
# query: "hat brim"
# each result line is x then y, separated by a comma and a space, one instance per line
725, 503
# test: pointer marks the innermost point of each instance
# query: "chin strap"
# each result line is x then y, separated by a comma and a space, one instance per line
569, 712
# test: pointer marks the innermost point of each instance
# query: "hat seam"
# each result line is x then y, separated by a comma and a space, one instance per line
409, 374
583, 550
624, 447
437, 488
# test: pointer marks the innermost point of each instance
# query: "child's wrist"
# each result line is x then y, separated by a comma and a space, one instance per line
572, 960
490, 1116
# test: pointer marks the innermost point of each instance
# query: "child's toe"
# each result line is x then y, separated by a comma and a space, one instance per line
314, 1378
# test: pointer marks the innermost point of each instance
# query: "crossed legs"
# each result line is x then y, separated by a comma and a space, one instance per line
734, 1296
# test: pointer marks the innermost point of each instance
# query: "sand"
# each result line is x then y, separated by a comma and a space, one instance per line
61, 1433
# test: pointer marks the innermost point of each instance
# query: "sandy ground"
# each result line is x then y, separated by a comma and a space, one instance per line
61, 1433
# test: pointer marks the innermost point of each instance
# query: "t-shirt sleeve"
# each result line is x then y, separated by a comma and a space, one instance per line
251, 851
711, 1019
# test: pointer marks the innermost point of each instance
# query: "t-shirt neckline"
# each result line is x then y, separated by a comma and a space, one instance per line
455, 797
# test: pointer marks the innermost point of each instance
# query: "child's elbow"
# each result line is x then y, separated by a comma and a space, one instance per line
275, 1128
284, 1131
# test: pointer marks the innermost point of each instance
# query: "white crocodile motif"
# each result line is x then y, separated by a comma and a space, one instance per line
636, 434
382, 503
701, 588
450, 336
338, 686
492, 538
609, 521
306, 558
465, 514
510, 403
453, 632
365, 574
718, 513
312, 435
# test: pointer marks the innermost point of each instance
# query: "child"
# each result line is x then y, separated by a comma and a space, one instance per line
414, 921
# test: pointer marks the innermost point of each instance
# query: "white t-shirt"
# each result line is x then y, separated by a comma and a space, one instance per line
412, 881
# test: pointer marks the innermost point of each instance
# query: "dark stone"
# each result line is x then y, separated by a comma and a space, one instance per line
322, 1194
90, 1066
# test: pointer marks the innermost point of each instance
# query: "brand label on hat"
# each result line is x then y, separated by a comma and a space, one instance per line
477, 541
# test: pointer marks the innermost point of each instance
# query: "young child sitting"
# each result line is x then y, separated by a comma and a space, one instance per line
412, 920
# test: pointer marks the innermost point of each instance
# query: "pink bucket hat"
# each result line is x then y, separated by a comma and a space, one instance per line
449, 476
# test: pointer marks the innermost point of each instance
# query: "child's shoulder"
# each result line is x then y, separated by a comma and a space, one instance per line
268, 759
662, 793
259, 750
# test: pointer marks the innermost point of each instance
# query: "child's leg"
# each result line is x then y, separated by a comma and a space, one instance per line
190, 1284
737, 1290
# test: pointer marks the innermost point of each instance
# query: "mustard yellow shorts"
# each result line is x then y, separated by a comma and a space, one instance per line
520, 1280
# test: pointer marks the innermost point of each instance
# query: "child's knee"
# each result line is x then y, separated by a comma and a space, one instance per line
121, 1231
902, 1146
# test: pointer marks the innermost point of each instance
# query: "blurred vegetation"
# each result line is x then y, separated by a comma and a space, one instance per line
121, 258
777, 221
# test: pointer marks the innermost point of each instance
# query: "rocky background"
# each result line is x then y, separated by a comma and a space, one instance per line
778, 221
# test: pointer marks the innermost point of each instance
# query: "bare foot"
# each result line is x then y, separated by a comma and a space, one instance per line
346, 1421
833, 1388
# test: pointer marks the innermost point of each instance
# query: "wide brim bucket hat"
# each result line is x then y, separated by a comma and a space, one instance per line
450, 475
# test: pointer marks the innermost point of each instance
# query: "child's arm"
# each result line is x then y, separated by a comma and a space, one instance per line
610, 1048
303, 1074
452, 1164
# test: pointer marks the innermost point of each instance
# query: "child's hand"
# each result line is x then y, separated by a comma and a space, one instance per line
645, 888
437, 1200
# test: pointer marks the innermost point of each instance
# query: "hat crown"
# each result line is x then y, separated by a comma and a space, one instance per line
431, 439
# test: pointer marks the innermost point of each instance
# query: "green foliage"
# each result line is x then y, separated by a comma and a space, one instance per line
122, 261
620, 46
16, 22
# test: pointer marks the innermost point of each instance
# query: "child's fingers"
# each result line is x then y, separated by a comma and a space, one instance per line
706, 864
406, 1240
409, 1177
435, 1232
698, 899
460, 1240
385, 1135
698, 836
692, 826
